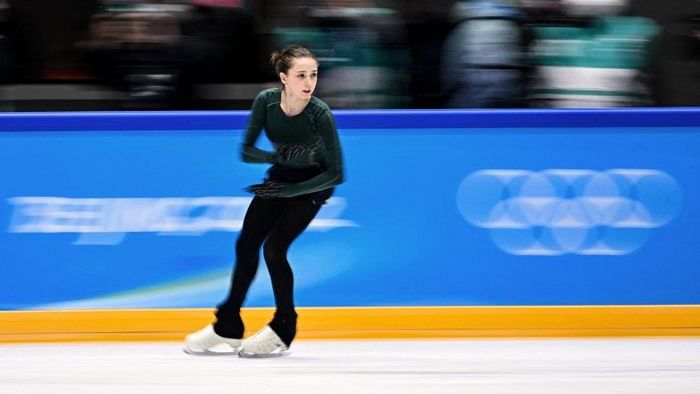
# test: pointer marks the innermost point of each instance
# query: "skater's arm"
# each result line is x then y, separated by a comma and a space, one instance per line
249, 153
329, 155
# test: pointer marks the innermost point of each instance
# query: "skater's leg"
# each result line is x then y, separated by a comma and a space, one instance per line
261, 216
228, 329
292, 222
275, 338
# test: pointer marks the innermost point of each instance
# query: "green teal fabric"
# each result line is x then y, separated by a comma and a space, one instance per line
610, 42
313, 125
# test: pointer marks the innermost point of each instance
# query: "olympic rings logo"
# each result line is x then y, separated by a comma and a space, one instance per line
557, 211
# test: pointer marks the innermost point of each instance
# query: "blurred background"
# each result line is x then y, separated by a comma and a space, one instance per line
213, 54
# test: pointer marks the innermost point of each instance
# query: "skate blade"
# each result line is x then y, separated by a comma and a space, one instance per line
274, 354
206, 352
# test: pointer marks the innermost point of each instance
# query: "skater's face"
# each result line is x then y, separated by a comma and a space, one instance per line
300, 80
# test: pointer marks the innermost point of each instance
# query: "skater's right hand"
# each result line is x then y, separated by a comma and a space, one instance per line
299, 154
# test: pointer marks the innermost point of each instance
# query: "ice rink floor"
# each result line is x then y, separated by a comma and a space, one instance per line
596, 366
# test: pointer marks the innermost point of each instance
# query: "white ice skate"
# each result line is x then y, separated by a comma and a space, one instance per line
264, 343
208, 342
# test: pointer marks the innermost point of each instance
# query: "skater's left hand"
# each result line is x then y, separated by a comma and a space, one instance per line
268, 189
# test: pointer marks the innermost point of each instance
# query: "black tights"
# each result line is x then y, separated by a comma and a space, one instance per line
276, 223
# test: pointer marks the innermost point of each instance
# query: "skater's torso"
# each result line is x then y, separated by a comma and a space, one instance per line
298, 129
314, 126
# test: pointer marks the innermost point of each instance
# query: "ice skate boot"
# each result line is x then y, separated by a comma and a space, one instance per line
264, 343
208, 342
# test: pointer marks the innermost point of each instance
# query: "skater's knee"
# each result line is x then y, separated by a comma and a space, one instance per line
274, 252
247, 246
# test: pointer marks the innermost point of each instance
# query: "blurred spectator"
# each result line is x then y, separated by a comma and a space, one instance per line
191, 54
676, 53
43, 33
594, 7
427, 26
137, 48
677, 63
219, 45
484, 56
590, 57
359, 48
220, 41
7, 59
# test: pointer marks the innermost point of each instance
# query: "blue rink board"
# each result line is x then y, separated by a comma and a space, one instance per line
538, 215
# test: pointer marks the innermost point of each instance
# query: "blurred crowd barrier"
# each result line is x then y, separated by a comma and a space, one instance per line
213, 54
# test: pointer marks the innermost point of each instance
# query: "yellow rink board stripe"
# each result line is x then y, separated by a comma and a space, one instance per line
361, 322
